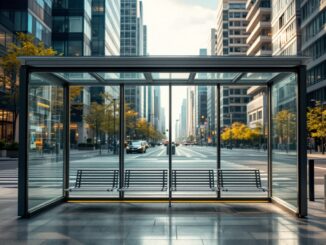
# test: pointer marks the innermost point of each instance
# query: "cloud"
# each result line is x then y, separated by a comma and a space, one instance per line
177, 27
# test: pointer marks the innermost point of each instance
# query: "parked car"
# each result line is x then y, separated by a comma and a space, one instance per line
136, 147
146, 144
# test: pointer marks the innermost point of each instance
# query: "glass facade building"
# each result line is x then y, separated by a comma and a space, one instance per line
105, 27
313, 38
71, 33
132, 44
32, 17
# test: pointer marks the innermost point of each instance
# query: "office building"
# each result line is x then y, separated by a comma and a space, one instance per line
259, 30
313, 37
285, 27
105, 28
183, 121
6, 109
257, 108
191, 125
212, 42
32, 17
232, 37
105, 41
71, 32
201, 120
132, 44
71, 36
231, 27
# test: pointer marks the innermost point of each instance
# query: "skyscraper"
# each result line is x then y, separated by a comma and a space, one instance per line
32, 17
260, 44
105, 27
259, 27
285, 27
183, 120
105, 39
313, 36
212, 42
231, 40
132, 44
71, 30
231, 27
71, 36
191, 125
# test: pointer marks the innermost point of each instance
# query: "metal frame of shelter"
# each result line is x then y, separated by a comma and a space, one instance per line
191, 65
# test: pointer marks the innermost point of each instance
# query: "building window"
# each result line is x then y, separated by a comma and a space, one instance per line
75, 48
75, 24
260, 115
281, 21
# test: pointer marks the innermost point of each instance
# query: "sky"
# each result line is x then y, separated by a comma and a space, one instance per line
178, 27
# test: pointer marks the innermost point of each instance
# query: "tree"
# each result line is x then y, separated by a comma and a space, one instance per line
285, 127
316, 123
237, 131
10, 64
95, 118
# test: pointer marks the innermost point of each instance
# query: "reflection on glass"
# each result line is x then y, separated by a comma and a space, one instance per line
45, 142
94, 139
254, 77
215, 76
165, 75
285, 140
244, 130
194, 158
146, 137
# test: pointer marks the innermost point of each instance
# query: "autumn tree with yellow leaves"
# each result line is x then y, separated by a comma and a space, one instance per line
240, 132
26, 46
316, 123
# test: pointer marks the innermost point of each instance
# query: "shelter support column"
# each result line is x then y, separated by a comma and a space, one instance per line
66, 139
22, 162
302, 141
269, 141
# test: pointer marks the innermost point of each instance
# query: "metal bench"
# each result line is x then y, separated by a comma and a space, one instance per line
145, 180
239, 180
193, 180
96, 179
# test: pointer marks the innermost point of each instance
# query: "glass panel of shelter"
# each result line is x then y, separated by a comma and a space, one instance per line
45, 144
94, 134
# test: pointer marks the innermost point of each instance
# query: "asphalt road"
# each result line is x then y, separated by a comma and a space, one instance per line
44, 170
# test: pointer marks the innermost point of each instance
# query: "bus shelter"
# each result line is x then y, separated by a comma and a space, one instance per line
80, 118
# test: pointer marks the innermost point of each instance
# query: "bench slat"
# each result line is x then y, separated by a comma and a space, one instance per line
239, 179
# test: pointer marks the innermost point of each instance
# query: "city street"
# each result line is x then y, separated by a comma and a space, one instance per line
185, 157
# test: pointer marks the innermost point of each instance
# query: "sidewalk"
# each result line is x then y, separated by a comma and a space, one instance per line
7, 159
317, 155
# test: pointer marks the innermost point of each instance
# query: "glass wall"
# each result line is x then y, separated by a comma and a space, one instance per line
94, 140
194, 152
284, 137
146, 137
45, 141
244, 133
